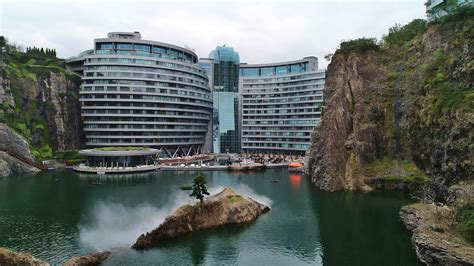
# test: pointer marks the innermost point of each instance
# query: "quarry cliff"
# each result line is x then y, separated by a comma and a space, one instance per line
399, 110
39, 101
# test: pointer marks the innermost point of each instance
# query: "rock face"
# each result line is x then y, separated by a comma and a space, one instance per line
436, 118
433, 240
51, 99
12, 143
226, 207
88, 260
8, 257
39, 99
15, 155
346, 135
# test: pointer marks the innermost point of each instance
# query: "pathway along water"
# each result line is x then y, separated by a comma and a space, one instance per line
57, 215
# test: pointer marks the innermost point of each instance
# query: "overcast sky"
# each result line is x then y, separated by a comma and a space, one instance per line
261, 31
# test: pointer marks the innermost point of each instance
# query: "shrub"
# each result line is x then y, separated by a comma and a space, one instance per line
466, 219
358, 46
398, 35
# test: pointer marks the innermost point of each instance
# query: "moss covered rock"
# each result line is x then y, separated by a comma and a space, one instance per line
225, 207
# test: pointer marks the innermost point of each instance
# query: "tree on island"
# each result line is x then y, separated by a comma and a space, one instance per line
199, 189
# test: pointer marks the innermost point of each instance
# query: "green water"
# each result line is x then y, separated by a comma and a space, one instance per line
57, 215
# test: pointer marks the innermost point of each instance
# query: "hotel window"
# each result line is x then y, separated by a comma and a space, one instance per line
295, 68
250, 72
142, 47
124, 52
159, 50
173, 54
281, 70
124, 46
102, 52
105, 46
140, 53
305, 66
267, 71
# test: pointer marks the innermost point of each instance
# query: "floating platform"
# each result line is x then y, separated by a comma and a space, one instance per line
193, 168
115, 170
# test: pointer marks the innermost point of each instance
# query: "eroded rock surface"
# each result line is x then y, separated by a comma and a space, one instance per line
434, 241
8, 257
15, 154
358, 126
223, 208
88, 260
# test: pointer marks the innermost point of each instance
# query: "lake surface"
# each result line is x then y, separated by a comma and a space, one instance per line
58, 215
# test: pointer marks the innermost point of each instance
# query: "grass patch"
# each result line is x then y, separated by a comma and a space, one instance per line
234, 198
130, 148
466, 220
391, 169
360, 45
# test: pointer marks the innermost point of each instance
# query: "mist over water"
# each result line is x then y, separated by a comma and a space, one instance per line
112, 225
245, 190
58, 215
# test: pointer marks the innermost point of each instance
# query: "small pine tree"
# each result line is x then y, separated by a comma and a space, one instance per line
198, 188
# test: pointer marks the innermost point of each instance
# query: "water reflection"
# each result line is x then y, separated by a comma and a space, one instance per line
360, 229
295, 180
119, 179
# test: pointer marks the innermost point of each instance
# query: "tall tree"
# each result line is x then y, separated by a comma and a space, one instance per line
198, 188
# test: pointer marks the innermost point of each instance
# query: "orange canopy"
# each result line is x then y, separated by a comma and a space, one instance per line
295, 164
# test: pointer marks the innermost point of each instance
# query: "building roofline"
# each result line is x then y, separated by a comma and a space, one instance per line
95, 152
304, 59
146, 42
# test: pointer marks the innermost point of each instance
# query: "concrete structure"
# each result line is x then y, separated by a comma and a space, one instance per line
117, 160
143, 93
222, 67
438, 8
281, 103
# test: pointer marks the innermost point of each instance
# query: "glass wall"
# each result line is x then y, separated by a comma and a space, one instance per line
226, 99
274, 70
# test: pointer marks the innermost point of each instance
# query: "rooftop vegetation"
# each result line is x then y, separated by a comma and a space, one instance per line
130, 148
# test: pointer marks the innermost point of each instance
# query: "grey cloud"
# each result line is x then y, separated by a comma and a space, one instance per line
260, 32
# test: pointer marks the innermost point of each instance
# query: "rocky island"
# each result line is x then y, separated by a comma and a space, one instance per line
225, 207
91, 259
9, 257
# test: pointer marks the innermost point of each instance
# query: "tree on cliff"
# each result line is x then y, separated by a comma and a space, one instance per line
199, 189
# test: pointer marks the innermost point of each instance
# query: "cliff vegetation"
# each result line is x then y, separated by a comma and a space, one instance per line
39, 100
400, 109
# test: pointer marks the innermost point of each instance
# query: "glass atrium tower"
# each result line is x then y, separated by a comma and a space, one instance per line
225, 86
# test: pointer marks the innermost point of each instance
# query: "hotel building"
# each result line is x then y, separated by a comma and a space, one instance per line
281, 103
144, 93
222, 67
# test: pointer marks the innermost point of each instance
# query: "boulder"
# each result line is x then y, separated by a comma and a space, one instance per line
225, 207
88, 260
10, 165
12, 143
434, 241
8, 257
15, 154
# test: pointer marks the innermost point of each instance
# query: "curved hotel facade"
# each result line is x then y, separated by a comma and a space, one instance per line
281, 103
144, 93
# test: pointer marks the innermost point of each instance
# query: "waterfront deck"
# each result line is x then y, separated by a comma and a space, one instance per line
115, 170
193, 168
